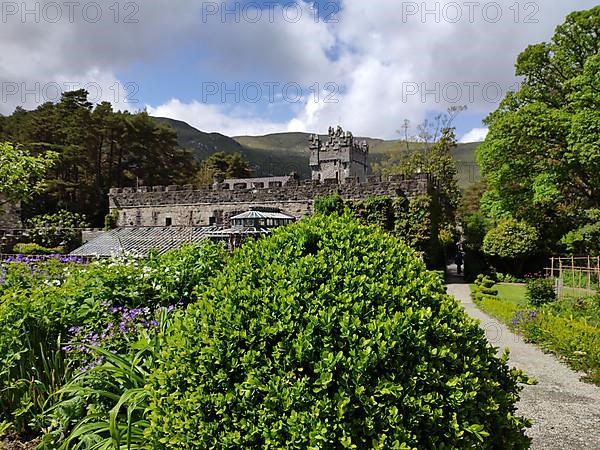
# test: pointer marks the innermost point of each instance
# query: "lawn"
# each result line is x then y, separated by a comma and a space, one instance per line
512, 293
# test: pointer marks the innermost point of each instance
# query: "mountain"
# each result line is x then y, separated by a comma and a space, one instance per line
202, 144
282, 153
295, 149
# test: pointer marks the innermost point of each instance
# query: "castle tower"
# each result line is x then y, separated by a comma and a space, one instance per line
338, 157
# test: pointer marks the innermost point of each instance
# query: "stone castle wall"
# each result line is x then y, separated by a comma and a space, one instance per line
338, 156
208, 205
10, 215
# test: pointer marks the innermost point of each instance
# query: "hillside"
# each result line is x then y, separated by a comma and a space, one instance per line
282, 153
202, 144
296, 151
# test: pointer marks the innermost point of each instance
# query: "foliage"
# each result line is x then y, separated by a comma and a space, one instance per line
484, 287
541, 157
586, 238
44, 301
329, 334
98, 148
470, 201
105, 405
511, 239
111, 220
562, 328
329, 204
22, 174
475, 228
230, 165
541, 291
414, 221
61, 228
378, 211
36, 249
435, 158
508, 278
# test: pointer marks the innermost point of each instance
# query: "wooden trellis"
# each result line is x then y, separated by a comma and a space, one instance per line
576, 276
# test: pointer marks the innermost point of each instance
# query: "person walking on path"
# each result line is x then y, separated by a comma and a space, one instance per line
459, 258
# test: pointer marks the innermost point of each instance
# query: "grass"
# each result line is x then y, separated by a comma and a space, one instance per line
569, 328
513, 294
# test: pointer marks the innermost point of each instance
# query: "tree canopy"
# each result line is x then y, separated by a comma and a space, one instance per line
541, 158
98, 148
22, 174
230, 165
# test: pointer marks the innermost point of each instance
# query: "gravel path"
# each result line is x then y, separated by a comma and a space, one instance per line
565, 411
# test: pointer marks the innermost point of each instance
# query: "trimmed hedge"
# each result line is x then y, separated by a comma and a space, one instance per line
36, 249
330, 334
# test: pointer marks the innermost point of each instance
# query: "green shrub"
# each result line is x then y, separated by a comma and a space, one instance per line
111, 220
329, 334
60, 229
40, 301
540, 291
484, 281
510, 242
329, 204
36, 249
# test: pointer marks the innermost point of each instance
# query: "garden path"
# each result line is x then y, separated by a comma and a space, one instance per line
565, 411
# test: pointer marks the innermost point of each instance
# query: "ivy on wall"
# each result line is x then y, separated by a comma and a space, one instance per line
415, 221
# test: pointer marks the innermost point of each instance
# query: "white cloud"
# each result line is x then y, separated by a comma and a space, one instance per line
475, 135
214, 118
388, 66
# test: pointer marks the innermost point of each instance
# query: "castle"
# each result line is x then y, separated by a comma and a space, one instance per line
339, 157
339, 165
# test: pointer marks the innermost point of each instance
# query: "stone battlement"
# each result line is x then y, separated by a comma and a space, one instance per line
338, 156
350, 188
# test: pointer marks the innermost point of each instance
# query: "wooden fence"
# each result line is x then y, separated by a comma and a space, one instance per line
576, 276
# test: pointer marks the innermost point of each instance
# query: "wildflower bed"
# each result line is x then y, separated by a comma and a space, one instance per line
568, 328
62, 319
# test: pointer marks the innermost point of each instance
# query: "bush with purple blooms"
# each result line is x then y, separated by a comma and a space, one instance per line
122, 327
54, 308
23, 271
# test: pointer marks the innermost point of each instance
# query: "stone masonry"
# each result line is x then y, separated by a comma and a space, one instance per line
339, 165
338, 157
10, 215
211, 205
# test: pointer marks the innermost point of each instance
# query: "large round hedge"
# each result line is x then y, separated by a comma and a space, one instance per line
329, 334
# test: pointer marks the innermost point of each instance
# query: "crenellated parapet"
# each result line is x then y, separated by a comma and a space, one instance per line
350, 188
338, 156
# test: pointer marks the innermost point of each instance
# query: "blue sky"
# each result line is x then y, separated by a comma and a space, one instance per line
279, 66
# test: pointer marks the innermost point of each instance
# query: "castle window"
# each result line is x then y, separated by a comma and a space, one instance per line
274, 184
168, 221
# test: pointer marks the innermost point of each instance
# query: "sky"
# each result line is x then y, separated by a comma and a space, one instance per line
259, 67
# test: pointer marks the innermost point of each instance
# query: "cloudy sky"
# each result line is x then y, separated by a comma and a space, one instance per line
249, 67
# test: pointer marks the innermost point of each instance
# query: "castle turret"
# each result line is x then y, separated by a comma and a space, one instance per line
338, 157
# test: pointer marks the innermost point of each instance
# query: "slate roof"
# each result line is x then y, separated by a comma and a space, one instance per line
140, 240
